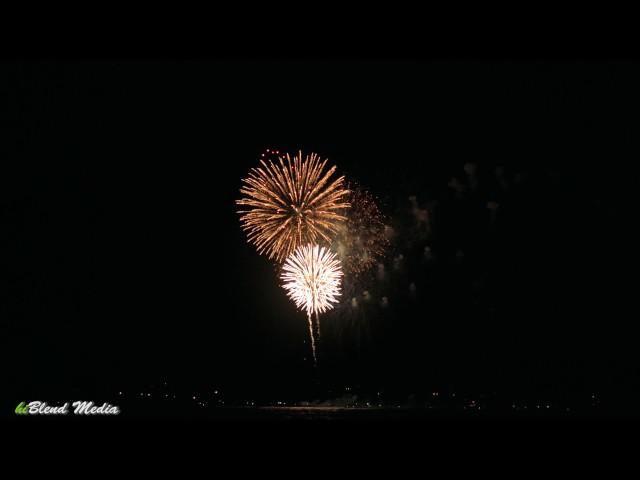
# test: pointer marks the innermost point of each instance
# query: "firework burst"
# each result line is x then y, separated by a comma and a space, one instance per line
362, 240
311, 276
291, 203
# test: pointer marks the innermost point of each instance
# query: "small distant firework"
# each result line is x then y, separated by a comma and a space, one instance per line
292, 202
312, 276
362, 239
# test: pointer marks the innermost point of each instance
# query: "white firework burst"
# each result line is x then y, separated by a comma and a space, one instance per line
311, 277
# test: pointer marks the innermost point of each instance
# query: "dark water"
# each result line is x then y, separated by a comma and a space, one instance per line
386, 414
328, 413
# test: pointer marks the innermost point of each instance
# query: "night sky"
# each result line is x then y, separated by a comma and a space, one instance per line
124, 265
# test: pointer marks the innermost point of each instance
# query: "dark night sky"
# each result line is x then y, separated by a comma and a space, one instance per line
123, 262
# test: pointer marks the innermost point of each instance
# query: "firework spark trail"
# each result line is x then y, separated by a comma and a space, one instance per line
313, 342
291, 203
311, 276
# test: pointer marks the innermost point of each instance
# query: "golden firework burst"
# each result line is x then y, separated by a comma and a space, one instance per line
292, 202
